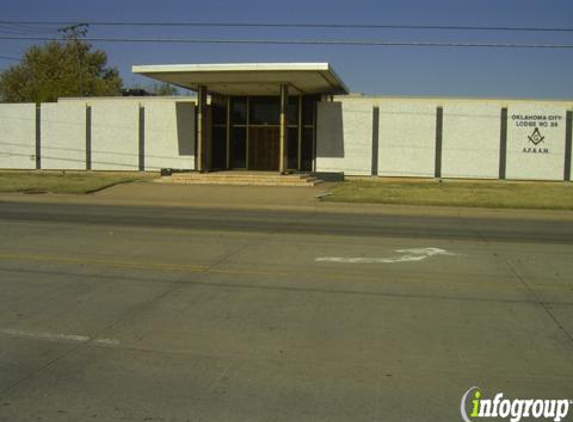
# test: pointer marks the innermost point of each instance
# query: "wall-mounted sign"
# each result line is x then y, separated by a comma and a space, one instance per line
540, 127
535, 141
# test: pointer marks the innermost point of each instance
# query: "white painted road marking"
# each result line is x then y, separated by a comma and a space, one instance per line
415, 254
59, 337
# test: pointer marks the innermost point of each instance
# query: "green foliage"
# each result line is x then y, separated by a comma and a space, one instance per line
164, 88
158, 88
456, 193
67, 181
59, 69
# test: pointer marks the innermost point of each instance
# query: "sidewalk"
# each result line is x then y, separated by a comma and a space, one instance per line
302, 199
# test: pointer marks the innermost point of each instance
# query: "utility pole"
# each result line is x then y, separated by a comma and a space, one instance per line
73, 33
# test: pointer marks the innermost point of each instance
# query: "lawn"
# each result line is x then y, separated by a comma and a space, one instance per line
490, 194
65, 182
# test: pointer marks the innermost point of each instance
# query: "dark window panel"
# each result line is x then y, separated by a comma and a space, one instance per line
307, 149
308, 104
292, 150
239, 147
239, 110
292, 111
219, 114
264, 110
219, 146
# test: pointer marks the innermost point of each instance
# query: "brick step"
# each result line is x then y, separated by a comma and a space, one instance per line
215, 176
239, 182
240, 179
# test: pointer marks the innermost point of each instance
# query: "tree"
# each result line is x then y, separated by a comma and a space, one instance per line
60, 69
157, 88
164, 88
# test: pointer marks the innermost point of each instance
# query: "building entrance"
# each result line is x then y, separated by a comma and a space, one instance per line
264, 148
246, 132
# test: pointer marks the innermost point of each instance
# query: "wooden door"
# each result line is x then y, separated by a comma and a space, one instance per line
264, 148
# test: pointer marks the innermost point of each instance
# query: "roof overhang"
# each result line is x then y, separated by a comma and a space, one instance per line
249, 78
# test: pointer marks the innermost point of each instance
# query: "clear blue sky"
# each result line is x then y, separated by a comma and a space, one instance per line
373, 70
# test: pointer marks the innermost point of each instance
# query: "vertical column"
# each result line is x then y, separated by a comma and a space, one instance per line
439, 130
299, 134
88, 138
503, 144
228, 134
568, 133
314, 132
38, 137
248, 134
201, 129
283, 160
141, 136
375, 137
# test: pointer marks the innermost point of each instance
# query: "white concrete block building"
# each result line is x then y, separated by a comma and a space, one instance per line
290, 117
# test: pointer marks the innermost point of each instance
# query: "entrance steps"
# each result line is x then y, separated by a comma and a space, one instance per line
240, 178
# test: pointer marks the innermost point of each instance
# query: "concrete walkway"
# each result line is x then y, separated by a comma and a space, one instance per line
263, 198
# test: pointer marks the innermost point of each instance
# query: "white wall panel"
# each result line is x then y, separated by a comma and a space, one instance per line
115, 136
471, 139
18, 136
344, 137
535, 141
407, 138
63, 144
169, 135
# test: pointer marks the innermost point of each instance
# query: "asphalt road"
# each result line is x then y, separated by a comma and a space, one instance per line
174, 314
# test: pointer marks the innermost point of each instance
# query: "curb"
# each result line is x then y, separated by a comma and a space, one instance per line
319, 206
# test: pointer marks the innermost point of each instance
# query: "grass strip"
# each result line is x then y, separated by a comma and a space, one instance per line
66, 182
489, 194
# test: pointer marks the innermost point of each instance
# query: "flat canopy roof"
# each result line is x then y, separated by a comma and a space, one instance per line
249, 78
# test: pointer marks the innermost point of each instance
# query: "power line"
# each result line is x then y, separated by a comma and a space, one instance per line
297, 25
25, 29
380, 43
9, 58
28, 27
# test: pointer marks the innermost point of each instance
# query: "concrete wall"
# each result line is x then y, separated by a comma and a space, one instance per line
115, 135
525, 159
169, 135
63, 141
471, 139
406, 135
407, 138
18, 136
168, 132
344, 137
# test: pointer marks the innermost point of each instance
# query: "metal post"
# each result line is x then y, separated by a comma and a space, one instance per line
141, 135
228, 134
439, 133
503, 144
568, 141
247, 135
38, 137
375, 140
300, 126
283, 129
314, 132
201, 129
88, 138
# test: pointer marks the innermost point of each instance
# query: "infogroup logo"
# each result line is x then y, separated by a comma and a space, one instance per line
512, 409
